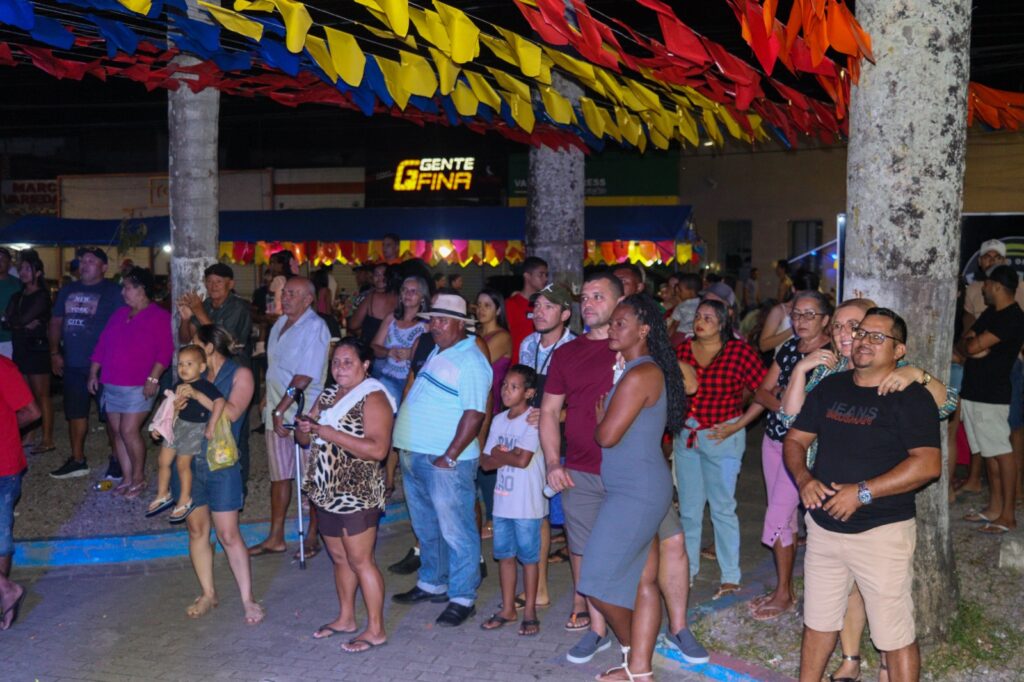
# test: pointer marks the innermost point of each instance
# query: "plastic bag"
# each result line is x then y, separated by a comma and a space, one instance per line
222, 451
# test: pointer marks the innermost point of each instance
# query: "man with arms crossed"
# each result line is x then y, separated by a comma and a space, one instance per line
874, 452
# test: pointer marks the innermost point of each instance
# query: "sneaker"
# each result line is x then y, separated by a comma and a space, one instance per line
588, 647
71, 469
410, 563
114, 472
692, 651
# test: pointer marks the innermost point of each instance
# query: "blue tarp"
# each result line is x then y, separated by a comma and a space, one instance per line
604, 223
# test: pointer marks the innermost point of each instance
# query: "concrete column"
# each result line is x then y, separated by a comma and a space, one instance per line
554, 204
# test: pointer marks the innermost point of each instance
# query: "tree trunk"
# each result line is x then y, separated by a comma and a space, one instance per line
193, 183
554, 205
905, 172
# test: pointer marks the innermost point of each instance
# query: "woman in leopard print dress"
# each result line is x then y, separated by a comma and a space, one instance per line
349, 431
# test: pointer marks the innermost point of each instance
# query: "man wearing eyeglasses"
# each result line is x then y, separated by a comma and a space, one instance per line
874, 452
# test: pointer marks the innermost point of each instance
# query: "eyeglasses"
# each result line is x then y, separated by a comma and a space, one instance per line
874, 338
796, 316
850, 326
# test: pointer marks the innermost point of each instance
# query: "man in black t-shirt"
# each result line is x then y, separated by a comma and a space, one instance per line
991, 346
874, 452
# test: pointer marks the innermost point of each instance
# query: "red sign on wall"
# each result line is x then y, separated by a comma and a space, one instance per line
25, 197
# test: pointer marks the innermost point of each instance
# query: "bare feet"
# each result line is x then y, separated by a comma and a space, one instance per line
11, 601
201, 606
254, 613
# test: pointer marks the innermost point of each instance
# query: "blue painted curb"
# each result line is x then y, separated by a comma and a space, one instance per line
116, 549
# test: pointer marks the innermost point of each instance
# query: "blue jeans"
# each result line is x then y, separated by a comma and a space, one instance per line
440, 503
10, 491
517, 539
706, 474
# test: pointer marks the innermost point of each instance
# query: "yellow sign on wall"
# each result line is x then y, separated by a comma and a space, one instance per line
434, 174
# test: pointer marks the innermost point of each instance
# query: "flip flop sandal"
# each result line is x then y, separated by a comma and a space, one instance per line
976, 517
529, 624
709, 553
765, 612
521, 604
559, 556
726, 589
135, 490
332, 631
368, 643
310, 553
994, 529
261, 550
757, 601
159, 506
181, 512
854, 659
578, 621
496, 622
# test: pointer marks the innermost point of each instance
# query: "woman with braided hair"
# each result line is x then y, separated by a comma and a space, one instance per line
620, 562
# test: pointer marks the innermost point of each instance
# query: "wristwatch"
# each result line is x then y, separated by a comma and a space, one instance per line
278, 413
448, 460
863, 493
925, 378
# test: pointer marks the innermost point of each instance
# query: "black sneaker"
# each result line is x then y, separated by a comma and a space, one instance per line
114, 472
410, 563
71, 469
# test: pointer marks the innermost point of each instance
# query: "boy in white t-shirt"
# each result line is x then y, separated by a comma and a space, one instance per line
519, 502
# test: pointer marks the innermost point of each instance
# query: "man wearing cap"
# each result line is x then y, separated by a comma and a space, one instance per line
552, 310
79, 316
9, 285
992, 345
221, 307
991, 255
436, 434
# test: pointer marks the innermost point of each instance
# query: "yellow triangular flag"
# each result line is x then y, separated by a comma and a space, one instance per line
629, 125
296, 23
409, 39
557, 107
430, 28
592, 117
527, 53
447, 70
609, 124
317, 49
649, 98
254, 5
687, 126
349, 60
577, 67
235, 22
500, 49
466, 103
139, 6
711, 126
544, 76
730, 124
510, 83
483, 90
397, 12
522, 111
417, 76
462, 32
612, 87
392, 72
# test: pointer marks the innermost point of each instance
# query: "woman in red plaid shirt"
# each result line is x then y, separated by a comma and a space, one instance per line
709, 451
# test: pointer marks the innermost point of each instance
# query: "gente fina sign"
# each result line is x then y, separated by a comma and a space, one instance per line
434, 174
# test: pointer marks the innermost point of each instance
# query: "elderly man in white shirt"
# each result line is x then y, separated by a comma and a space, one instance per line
297, 348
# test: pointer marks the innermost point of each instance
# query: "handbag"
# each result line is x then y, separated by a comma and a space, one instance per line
222, 451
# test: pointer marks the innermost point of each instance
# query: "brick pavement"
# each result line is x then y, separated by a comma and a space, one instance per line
127, 622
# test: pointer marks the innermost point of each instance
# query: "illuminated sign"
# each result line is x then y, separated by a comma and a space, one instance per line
434, 174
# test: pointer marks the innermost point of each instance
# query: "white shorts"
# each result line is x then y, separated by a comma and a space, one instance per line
987, 426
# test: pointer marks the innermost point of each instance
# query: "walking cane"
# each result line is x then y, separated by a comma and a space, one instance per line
300, 399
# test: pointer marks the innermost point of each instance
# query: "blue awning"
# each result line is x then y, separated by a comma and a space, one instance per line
603, 223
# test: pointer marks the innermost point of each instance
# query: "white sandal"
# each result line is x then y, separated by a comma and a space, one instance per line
625, 667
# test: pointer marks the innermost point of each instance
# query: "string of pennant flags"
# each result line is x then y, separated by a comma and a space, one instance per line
438, 64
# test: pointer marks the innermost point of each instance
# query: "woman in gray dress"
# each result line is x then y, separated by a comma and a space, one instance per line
620, 562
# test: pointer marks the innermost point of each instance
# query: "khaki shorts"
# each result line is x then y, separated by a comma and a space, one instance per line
281, 456
988, 427
880, 561
582, 502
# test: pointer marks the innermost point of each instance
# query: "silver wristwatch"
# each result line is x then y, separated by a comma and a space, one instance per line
863, 493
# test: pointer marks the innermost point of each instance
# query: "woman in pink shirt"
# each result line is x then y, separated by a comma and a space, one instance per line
133, 351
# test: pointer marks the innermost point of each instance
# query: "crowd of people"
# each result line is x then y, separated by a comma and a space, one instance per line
600, 433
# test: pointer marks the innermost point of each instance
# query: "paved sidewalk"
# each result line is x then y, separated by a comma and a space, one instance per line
126, 622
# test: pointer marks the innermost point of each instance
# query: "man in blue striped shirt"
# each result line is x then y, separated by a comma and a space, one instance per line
436, 433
